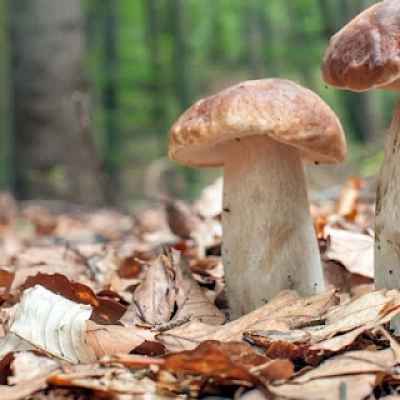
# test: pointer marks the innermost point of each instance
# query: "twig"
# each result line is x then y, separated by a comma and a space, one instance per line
166, 326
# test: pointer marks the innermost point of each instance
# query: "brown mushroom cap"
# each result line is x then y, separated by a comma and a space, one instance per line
282, 109
366, 52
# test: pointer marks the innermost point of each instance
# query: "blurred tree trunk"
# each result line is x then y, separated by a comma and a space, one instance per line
156, 82
50, 156
110, 13
179, 59
180, 71
215, 49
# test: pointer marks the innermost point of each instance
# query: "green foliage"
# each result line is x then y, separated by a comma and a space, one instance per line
165, 60
223, 41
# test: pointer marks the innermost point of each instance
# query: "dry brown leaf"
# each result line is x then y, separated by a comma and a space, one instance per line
356, 364
291, 345
24, 273
285, 311
356, 387
6, 279
343, 324
181, 219
132, 360
354, 250
105, 310
169, 292
257, 364
29, 373
103, 380
27, 366
206, 369
112, 339
351, 320
352, 363
49, 255
349, 199
24, 389
51, 323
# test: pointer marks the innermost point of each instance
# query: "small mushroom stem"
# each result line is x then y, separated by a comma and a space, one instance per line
269, 241
387, 214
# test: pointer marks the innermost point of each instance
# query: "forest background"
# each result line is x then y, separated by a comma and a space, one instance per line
133, 66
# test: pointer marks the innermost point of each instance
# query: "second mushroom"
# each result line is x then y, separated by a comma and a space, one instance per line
260, 131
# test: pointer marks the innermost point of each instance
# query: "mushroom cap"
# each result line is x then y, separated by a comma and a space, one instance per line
365, 53
281, 109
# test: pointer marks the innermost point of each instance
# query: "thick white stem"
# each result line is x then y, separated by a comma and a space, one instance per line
269, 242
387, 213
387, 216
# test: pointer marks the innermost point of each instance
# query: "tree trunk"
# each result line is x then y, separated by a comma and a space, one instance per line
50, 157
156, 84
110, 11
180, 77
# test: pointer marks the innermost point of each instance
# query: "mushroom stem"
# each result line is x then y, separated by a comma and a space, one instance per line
387, 212
269, 241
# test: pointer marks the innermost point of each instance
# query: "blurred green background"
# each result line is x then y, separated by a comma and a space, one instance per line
146, 61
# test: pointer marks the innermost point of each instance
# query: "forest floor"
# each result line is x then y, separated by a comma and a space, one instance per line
97, 304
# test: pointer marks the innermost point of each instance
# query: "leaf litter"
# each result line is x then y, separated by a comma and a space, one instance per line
92, 303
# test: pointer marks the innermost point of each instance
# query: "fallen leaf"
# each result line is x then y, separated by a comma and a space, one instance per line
355, 387
112, 339
354, 250
51, 323
105, 311
206, 369
349, 199
169, 292
351, 320
102, 380
355, 369
287, 310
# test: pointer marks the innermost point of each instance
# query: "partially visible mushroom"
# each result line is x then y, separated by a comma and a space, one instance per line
259, 131
365, 54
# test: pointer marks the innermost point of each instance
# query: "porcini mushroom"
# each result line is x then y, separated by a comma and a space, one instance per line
259, 131
365, 54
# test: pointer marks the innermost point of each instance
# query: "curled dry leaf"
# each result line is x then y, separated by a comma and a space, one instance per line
292, 345
343, 324
112, 339
51, 323
49, 255
105, 310
349, 199
206, 369
23, 390
103, 381
287, 310
169, 292
355, 387
358, 370
346, 322
27, 373
352, 249
181, 219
